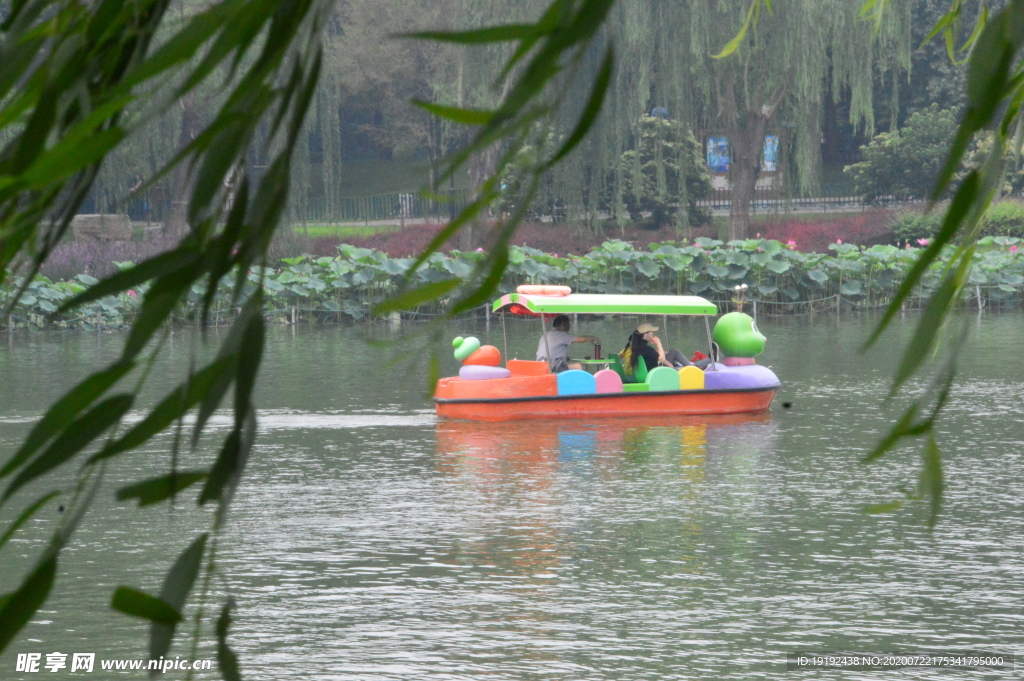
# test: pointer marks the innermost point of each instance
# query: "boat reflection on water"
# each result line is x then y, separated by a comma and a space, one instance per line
553, 441
576, 487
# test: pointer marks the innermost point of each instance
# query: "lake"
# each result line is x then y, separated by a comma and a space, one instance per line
369, 541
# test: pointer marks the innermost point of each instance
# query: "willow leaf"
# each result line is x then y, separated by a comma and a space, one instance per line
169, 410
453, 113
74, 439
19, 606
65, 409
418, 296
157, 489
932, 479
490, 34
227, 661
140, 604
175, 590
26, 514
592, 109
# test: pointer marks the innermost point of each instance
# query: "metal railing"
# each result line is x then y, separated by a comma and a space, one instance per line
830, 197
382, 207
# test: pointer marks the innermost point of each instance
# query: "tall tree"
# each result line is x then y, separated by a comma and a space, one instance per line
778, 69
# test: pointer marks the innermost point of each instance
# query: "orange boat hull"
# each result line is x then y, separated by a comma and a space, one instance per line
607, 405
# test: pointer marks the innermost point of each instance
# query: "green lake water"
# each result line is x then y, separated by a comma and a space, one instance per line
369, 541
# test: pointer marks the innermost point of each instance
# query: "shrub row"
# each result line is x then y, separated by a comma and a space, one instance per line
1005, 218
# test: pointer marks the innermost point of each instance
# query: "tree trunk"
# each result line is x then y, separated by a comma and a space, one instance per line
481, 167
747, 142
177, 220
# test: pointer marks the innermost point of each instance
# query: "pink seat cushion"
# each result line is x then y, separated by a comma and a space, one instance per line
608, 381
738, 361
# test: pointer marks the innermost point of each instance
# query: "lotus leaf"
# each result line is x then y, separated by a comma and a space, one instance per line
649, 267
737, 271
851, 288
717, 271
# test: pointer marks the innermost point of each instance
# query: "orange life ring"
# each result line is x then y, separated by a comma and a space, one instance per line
543, 290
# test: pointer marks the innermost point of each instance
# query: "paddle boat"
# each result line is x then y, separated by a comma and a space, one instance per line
525, 389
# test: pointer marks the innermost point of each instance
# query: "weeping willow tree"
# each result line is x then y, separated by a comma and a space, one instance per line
780, 69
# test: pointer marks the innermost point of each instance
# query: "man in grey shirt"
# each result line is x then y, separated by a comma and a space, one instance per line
554, 345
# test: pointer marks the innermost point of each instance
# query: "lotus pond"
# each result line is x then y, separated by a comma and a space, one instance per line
348, 286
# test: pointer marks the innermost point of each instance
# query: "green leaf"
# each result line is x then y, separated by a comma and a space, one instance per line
26, 514
851, 288
140, 604
157, 489
737, 40
927, 328
65, 409
905, 427
227, 661
958, 210
779, 266
175, 590
160, 300
887, 507
649, 267
227, 463
932, 479
454, 113
68, 158
19, 606
248, 364
183, 44
74, 439
490, 34
592, 109
171, 408
483, 293
412, 299
157, 266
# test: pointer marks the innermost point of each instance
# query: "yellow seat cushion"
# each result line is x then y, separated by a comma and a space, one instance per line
691, 378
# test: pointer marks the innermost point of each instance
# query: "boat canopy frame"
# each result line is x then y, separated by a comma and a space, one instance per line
611, 303
615, 303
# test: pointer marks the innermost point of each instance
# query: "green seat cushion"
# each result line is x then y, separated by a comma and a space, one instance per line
663, 378
635, 387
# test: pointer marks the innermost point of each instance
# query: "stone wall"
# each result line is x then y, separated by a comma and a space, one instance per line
102, 227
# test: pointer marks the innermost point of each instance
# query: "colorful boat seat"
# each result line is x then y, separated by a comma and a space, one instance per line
635, 387
608, 381
662, 378
576, 382
691, 378
639, 374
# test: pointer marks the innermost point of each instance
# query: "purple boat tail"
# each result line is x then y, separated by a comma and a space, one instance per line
723, 377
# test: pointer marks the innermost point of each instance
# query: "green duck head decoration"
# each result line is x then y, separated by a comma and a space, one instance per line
737, 335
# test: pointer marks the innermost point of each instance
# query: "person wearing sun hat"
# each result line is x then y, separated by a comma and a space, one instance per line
643, 343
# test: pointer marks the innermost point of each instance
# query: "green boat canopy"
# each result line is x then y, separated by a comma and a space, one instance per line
591, 303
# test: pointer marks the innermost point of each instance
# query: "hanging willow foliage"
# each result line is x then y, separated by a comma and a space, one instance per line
79, 82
